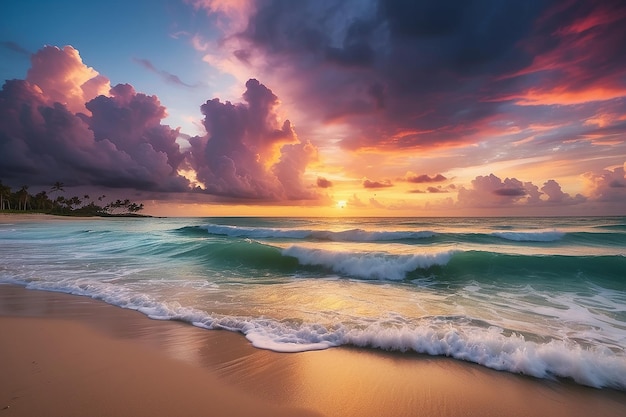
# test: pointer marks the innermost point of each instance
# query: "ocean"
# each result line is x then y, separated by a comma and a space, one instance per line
544, 297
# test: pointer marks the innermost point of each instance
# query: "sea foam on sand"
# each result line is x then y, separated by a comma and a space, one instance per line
66, 355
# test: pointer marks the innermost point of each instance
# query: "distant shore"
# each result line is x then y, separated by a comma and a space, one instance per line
29, 217
25, 217
67, 355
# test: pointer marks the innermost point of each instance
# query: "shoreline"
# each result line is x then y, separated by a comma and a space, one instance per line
70, 355
40, 217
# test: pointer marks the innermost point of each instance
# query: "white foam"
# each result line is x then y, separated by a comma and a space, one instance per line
367, 265
596, 367
351, 235
531, 236
489, 346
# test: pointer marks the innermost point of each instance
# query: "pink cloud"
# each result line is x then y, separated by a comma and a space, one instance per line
47, 134
583, 63
492, 192
607, 185
63, 78
248, 153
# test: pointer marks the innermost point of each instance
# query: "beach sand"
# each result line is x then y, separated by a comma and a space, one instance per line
10, 218
63, 355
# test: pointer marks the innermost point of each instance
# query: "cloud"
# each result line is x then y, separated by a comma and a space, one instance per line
553, 191
491, 192
583, 60
424, 178
324, 183
48, 135
355, 201
248, 153
375, 65
428, 74
367, 183
165, 76
608, 185
15, 47
434, 190
63, 78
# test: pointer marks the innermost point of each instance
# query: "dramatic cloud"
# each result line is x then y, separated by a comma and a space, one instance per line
431, 74
119, 143
248, 153
55, 126
583, 62
63, 78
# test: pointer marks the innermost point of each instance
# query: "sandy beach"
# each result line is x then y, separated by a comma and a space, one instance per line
10, 218
65, 355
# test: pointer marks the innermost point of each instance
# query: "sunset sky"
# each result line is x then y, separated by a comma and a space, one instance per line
355, 108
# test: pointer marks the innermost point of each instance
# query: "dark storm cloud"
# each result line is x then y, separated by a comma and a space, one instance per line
429, 73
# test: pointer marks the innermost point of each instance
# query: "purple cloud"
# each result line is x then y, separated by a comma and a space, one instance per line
324, 183
367, 183
424, 178
248, 153
47, 133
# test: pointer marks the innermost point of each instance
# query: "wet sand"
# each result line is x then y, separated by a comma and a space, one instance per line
64, 355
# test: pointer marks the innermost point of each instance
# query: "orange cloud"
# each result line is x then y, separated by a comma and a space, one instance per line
63, 78
579, 68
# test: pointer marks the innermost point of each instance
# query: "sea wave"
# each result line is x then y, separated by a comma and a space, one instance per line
457, 337
368, 265
350, 235
509, 236
530, 236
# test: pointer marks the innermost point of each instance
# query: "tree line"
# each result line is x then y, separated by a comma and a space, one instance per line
54, 202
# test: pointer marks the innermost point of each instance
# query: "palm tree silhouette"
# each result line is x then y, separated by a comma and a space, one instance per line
23, 196
5, 196
58, 186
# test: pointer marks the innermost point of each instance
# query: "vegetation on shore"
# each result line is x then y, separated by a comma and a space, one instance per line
54, 202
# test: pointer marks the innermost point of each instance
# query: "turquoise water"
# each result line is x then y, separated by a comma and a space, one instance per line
544, 297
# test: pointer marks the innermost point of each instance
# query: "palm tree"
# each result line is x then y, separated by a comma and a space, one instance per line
73, 202
58, 186
23, 195
42, 201
5, 196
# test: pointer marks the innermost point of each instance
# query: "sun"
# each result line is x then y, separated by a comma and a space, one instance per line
341, 204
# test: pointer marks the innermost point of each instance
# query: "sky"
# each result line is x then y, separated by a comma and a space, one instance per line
319, 107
